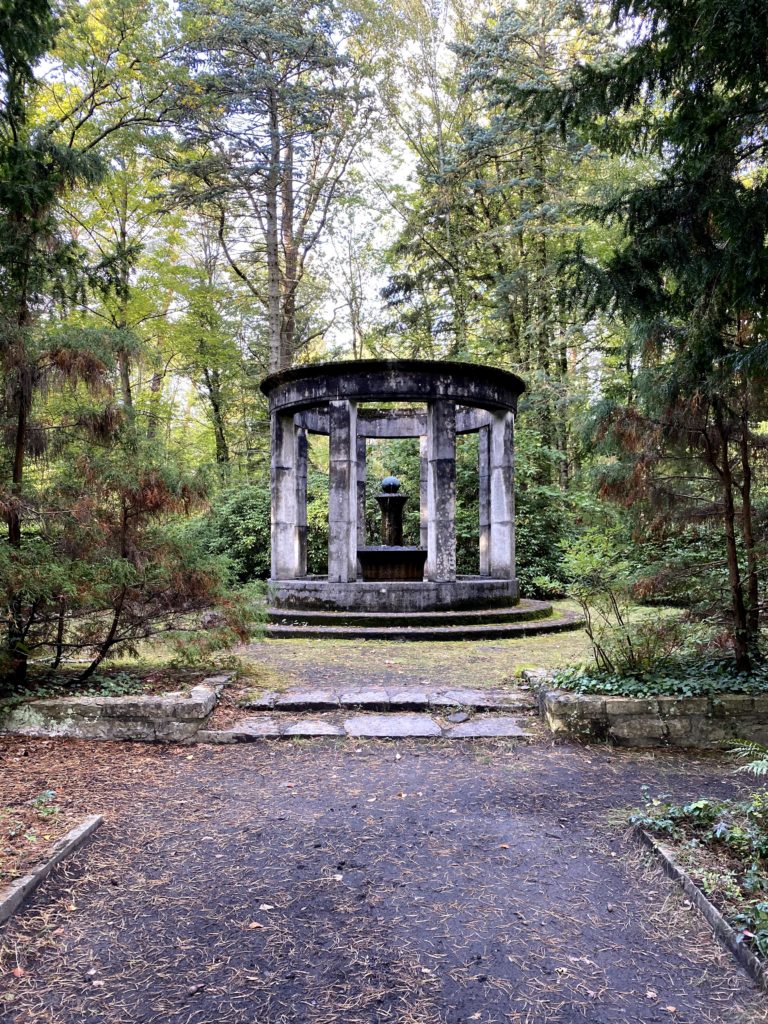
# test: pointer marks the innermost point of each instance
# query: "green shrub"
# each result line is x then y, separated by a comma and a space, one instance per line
691, 676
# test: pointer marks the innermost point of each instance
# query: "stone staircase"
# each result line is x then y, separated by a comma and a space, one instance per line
383, 713
523, 619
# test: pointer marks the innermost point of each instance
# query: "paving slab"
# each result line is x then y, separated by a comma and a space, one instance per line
392, 726
295, 699
498, 726
310, 728
374, 696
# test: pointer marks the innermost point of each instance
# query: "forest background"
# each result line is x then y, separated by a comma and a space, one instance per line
194, 195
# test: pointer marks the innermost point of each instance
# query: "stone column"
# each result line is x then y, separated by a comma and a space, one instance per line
283, 483
441, 449
484, 496
423, 494
502, 496
302, 458
361, 478
342, 492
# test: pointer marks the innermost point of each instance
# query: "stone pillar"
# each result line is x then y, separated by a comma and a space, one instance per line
423, 494
342, 492
361, 477
484, 496
302, 458
441, 450
283, 483
502, 496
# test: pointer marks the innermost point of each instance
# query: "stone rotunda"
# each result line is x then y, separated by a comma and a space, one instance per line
389, 590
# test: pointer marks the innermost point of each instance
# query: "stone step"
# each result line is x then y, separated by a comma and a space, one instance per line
379, 698
524, 611
490, 631
384, 726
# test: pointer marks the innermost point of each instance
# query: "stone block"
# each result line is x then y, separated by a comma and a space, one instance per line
630, 706
392, 726
635, 730
732, 705
501, 726
373, 697
312, 728
306, 698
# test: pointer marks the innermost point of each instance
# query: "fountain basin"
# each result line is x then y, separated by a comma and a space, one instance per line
392, 563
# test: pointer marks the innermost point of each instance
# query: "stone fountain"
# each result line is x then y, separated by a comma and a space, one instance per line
391, 560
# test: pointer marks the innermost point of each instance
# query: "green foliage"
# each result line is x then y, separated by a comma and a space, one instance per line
733, 835
692, 676
599, 578
238, 529
44, 803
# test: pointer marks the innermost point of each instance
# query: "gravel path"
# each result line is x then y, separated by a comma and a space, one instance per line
327, 881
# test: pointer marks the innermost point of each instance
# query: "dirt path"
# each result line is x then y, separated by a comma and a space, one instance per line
334, 881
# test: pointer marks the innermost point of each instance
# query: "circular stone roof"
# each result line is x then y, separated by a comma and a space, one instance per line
393, 380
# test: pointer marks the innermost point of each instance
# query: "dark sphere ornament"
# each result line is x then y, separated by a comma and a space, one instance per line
390, 485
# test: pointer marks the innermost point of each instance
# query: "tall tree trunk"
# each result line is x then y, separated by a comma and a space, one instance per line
741, 645
272, 186
290, 255
747, 530
23, 399
123, 297
213, 387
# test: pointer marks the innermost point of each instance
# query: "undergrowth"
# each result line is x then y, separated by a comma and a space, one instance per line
723, 844
681, 677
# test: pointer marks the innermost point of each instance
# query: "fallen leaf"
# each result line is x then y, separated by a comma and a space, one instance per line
266, 906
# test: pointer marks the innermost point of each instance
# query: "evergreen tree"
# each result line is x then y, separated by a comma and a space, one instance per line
691, 272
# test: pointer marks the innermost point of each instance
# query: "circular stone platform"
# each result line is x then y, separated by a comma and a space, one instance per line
318, 594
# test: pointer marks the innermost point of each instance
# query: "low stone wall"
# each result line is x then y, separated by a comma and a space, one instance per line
170, 717
700, 722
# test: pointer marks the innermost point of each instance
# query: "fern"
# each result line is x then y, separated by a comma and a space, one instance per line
758, 766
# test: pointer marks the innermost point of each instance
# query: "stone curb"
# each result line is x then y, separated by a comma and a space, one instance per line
14, 895
726, 935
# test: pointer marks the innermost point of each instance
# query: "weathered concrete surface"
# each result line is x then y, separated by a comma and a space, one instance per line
342, 492
696, 722
387, 725
170, 717
500, 727
387, 380
394, 698
441, 491
321, 594
392, 725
